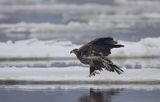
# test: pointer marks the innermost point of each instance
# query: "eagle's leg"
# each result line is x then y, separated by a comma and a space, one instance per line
93, 67
93, 73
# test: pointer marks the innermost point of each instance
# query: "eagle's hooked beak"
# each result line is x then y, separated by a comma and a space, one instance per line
71, 52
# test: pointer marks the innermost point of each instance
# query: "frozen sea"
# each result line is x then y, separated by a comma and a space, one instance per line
68, 80
37, 71
36, 37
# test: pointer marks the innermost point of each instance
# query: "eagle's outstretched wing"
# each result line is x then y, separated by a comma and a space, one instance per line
99, 47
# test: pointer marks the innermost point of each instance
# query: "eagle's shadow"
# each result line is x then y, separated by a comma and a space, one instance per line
99, 95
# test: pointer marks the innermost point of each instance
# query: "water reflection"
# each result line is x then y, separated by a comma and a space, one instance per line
30, 94
57, 95
97, 95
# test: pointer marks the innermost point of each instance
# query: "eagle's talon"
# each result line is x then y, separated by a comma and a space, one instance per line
94, 73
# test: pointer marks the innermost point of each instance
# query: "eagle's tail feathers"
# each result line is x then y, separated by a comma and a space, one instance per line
108, 65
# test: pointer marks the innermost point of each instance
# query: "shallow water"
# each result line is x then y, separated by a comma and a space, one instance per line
89, 94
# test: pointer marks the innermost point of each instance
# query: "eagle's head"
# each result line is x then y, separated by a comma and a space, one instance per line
75, 51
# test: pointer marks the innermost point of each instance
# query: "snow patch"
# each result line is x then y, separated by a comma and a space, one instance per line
79, 75
33, 48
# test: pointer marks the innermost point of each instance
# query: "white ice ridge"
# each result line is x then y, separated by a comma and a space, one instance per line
146, 47
33, 48
78, 75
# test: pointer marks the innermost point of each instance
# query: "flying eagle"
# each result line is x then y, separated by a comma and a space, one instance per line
95, 54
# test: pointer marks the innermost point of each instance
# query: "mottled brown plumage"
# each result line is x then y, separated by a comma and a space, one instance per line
94, 53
